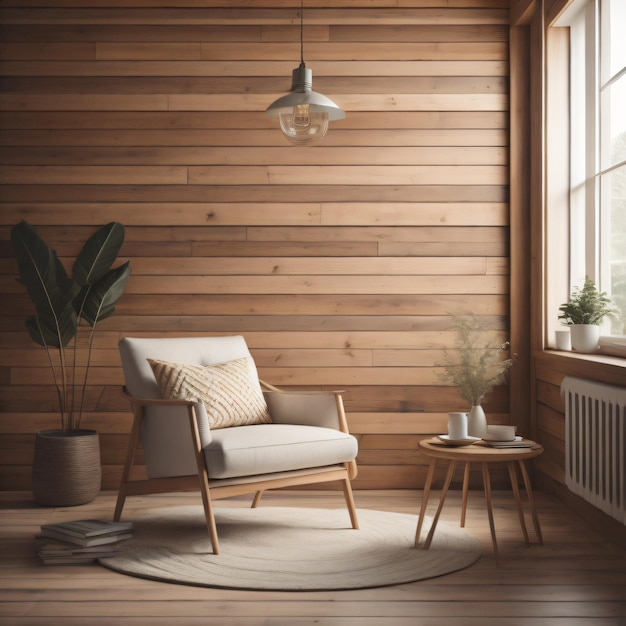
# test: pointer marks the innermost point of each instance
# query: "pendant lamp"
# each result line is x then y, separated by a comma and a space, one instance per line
303, 113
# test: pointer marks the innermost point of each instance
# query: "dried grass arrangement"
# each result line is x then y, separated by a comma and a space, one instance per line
476, 365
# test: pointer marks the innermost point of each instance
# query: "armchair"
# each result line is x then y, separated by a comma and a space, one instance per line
186, 393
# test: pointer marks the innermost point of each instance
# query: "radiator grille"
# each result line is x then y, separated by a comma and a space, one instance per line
595, 443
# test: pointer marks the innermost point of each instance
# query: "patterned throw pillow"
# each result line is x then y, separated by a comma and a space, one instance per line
230, 391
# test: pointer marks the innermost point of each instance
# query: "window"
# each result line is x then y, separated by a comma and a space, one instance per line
598, 149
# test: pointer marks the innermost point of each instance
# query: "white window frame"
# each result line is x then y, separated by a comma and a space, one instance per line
588, 221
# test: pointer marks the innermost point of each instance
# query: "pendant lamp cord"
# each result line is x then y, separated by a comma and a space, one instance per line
302, 33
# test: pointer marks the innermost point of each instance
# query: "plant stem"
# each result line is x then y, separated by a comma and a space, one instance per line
59, 389
82, 396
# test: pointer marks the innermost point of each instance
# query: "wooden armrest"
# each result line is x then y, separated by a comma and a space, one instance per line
268, 387
156, 401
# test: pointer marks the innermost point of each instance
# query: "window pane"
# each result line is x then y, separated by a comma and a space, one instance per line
613, 253
598, 150
613, 120
617, 46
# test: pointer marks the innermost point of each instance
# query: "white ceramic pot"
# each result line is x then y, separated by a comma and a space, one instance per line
585, 337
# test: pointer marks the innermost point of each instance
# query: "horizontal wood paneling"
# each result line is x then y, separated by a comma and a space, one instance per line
217, 137
275, 213
160, 121
253, 156
434, 12
277, 69
340, 263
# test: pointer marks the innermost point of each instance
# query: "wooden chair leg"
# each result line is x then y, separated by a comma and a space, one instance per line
128, 465
203, 475
208, 513
257, 499
347, 494
119, 505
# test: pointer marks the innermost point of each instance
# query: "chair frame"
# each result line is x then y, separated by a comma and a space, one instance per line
226, 487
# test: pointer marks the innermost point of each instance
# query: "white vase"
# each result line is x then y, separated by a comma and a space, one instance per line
476, 422
585, 337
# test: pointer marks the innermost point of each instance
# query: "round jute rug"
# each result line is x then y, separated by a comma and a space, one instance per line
289, 549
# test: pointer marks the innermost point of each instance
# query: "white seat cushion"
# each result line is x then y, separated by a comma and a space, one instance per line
269, 448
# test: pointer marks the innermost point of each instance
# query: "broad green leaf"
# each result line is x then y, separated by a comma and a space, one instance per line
98, 301
98, 254
53, 332
37, 263
48, 285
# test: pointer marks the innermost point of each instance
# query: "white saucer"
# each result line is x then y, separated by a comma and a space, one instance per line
457, 442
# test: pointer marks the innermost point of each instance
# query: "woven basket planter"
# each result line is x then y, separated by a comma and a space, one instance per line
66, 467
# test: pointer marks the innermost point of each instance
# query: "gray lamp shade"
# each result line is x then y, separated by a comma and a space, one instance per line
304, 114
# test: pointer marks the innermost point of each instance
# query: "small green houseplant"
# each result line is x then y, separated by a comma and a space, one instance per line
475, 367
586, 305
63, 306
583, 313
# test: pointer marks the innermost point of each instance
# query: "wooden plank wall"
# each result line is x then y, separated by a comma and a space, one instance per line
340, 263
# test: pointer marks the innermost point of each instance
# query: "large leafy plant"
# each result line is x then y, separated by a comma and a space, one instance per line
586, 305
476, 365
63, 304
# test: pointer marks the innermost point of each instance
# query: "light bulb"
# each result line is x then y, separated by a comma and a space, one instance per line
301, 115
301, 126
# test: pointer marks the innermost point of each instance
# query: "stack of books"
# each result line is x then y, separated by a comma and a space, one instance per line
82, 541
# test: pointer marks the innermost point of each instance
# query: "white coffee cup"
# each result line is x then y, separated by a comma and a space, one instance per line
563, 340
457, 426
500, 432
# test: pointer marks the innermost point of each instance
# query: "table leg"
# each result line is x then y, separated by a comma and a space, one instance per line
492, 527
531, 501
466, 476
446, 486
429, 480
518, 500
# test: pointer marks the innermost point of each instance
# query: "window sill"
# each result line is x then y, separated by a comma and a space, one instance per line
600, 367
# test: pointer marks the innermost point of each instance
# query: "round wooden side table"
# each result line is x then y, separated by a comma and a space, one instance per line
484, 454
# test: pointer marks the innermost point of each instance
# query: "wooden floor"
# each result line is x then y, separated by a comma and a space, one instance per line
576, 578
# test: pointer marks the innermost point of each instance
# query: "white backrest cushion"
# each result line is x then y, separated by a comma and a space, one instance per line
166, 438
135, 352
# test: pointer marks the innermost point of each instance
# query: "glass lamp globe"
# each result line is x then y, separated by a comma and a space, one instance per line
303, 126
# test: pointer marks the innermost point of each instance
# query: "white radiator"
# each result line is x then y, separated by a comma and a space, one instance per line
595, 443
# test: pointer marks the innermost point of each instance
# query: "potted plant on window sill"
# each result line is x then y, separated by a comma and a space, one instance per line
66, 465
583, 312
476, 367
